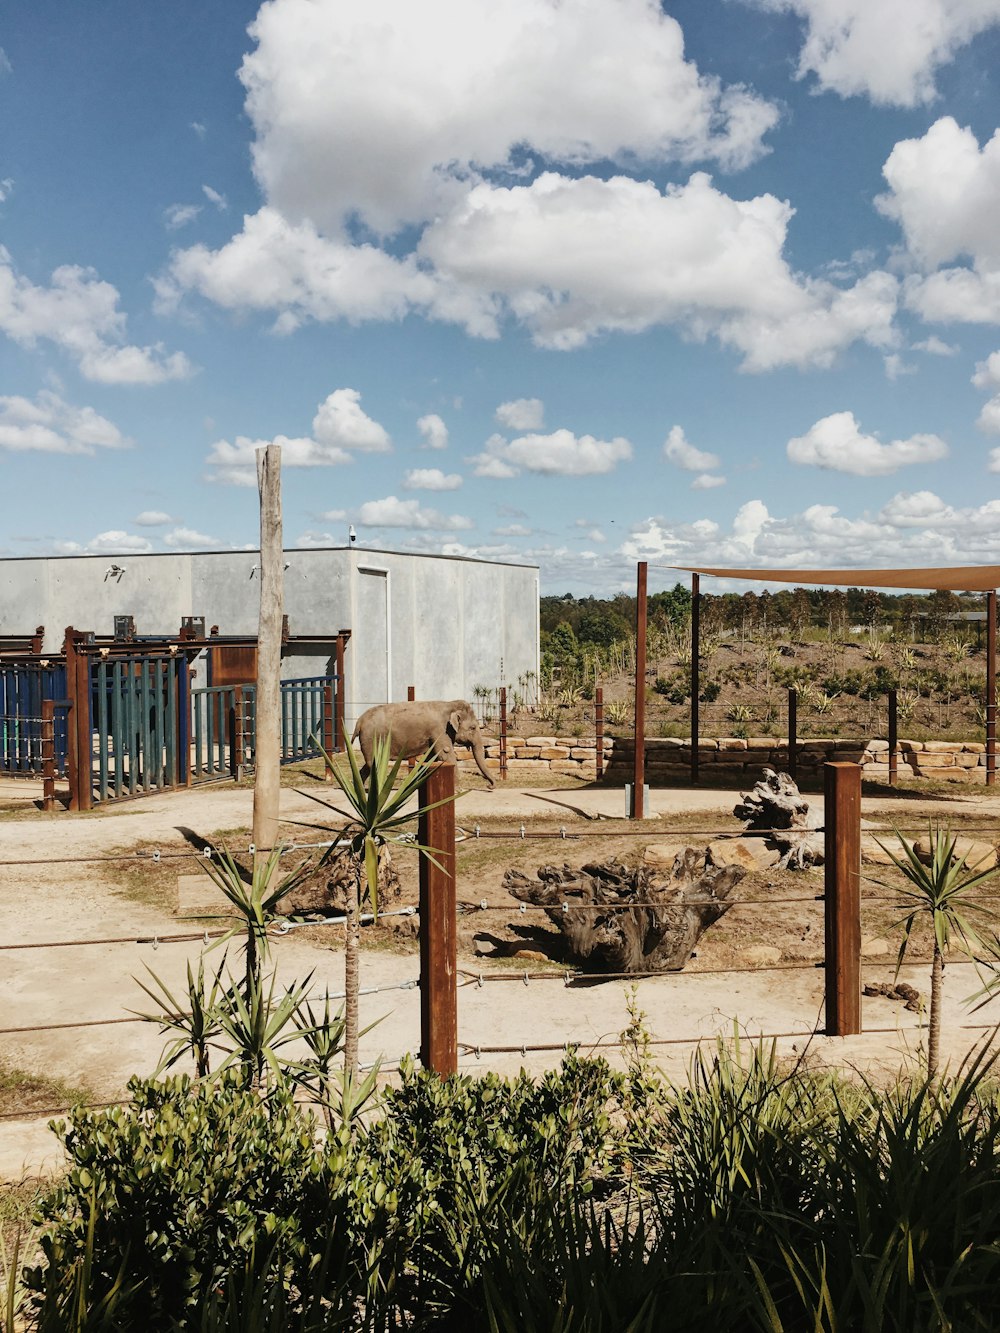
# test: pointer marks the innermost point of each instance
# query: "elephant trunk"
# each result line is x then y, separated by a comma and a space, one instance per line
479, 754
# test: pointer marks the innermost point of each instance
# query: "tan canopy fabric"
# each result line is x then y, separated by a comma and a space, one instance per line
961, 578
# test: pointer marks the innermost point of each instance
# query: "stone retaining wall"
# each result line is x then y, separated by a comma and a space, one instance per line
731, 757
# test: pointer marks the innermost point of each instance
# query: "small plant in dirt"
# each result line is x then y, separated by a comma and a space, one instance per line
938, 893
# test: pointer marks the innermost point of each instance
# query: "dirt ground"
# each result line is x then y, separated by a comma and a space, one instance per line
513, 969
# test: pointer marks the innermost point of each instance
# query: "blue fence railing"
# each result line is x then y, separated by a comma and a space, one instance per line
24, 686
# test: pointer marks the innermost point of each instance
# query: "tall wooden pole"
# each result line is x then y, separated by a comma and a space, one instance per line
438, 924
991, 687
893, 737
793, 733
695, 674
267, 781
639, 759
842, 869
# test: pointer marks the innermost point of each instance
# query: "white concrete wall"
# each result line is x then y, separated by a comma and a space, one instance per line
453, 623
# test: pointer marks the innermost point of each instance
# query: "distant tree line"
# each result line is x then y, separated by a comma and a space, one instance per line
579, 632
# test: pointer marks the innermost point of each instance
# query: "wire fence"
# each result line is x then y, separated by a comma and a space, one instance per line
885, 897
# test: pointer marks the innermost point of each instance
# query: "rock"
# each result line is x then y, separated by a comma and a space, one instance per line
531, 955
751, 853
661, 855
762, 955
977, 855
873, 948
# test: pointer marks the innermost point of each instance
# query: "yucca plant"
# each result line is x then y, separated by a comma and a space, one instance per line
378, 814
195, 1028
938, 893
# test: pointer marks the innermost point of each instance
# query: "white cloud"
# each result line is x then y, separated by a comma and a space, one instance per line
187, 539
987, 376
935, 346
214, 197
179, 215
199, 128
707, 481
116, 540
896, 367
678, 450
79, 312
384, 109
522, 414
339, 426
943, 191
837, 443
152, 518
340, 423
887, 50
434, 431
512, 530
431, 479
910, 529
391, 512
560, 454
47, 424
6, 188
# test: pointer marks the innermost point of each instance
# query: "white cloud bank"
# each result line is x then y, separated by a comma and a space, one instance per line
79, 312
392, 512
838, 444
560, 454
887, 50
522, 414
340, 429
433, 431
441, 116
48, 425
431, 479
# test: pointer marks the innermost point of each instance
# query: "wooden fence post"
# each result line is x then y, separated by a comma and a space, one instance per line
842, 821
599, 729
438, 926
271, 629
48, 754
893, 737
793, 737
639, 755
503, 733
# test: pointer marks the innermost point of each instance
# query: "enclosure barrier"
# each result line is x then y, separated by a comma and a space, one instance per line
440, 977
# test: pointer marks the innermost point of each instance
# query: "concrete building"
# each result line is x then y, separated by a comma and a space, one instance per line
443, 624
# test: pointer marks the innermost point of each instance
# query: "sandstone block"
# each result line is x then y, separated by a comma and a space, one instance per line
942, 747
937, 759
540, 740
750, 853
522, 764
760, 743
966, 760
974, 747
762, 955
732, 743
553, 752
877, 747
945, 774
584, 752
661, 854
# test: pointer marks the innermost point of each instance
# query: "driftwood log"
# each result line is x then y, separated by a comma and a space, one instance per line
325, 889
604, 930
777, 805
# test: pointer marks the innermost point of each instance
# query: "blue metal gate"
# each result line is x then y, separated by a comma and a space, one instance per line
138, 726
24, 687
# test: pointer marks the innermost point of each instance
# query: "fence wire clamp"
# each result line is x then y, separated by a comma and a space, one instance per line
562, 831
156, 856
523, 831
252, 850
207, 853
156, 942
205, 939
525, 978
475, 1050
565, 907
476, 830
567, 979
410, 985
523, 908
479, 981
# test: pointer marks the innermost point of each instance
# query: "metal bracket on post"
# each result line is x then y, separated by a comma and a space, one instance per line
842, 830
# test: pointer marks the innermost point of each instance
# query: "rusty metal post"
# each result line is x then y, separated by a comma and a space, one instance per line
893, 737
339, 707
991, 687
599, 729
639, 756
329, 730
411, 694
438, 925
842, 820
695, 674
503, 733
80, 740
793, 736
236, 745
72, 757
48, 754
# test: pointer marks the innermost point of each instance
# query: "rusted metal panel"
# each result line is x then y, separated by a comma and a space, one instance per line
599, 729
639, 759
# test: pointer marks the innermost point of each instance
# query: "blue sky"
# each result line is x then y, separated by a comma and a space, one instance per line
578, 282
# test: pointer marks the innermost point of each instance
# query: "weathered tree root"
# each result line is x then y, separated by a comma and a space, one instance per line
776, 804
616, 937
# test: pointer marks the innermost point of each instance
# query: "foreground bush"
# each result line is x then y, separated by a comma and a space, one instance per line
747, 1198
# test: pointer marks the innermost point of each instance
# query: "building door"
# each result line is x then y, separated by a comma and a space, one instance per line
371, 640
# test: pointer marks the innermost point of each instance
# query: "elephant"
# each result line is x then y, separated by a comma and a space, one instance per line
414, 727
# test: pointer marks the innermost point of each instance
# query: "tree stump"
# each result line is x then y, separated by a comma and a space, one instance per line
777, 806
326, 889
603, 929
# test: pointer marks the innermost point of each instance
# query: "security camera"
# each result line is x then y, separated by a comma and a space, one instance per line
114, 572
352, 534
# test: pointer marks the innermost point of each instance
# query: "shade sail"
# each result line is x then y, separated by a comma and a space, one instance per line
954, 578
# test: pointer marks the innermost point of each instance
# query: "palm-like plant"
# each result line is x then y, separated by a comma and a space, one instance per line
194, 1028
377, 815
938, 893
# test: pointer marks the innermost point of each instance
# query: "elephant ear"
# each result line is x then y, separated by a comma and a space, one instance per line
454, 720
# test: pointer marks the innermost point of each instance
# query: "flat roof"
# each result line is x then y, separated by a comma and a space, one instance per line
255, 550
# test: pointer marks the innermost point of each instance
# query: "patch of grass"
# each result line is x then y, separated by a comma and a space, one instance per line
26, 1091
